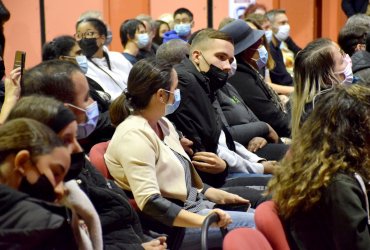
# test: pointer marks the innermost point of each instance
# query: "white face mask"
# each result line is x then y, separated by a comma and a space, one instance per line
283, 32
233, 66
142, 40
348, 74
268, 35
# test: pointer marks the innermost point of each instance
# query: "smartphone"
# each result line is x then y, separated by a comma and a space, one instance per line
241, 207
19, 61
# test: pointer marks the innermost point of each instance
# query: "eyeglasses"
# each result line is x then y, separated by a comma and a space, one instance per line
176, 91
88, 34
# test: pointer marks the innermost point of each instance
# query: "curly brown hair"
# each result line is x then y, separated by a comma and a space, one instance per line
335, 137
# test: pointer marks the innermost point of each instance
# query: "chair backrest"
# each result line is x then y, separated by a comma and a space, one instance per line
268, 222
245, 239
97, 158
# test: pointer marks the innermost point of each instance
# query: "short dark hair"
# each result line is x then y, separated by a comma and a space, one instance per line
207, 34
350, 35
59, 46
51, 78
183, 11
128, 29
146, 77
97, 23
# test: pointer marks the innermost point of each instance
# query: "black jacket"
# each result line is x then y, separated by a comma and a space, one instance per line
361, 66
27, 223
279, 74
255, 94
242, 123
351, 7
292, 45
338, 221
195, 117
120, 223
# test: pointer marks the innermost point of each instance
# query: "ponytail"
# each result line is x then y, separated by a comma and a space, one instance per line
119, 110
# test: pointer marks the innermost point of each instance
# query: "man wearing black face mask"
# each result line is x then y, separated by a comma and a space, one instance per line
200, 76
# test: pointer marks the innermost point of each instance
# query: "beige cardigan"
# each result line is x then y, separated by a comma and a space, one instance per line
140, 162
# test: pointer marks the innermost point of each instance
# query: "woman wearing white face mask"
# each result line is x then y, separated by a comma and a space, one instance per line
319, 67
133, 38
146, 158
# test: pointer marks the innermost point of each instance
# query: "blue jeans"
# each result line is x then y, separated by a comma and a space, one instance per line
191, 239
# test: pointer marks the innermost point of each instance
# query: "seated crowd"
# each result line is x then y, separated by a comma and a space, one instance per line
214, 121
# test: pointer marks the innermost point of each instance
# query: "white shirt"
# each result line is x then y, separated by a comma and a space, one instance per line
113, 80
241, 161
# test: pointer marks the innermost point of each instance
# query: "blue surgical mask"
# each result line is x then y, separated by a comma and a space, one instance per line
82, 62
170, 108
109, 38
142, 40
92, 116
263, 57
182, 29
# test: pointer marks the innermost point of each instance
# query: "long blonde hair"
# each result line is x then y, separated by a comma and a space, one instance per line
335, 137
313, 73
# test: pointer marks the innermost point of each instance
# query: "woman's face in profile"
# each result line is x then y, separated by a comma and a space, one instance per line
69, 137
163, 28
339, 61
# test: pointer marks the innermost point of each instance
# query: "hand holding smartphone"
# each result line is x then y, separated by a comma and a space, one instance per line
19, 61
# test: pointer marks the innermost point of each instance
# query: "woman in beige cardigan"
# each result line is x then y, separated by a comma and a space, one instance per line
146, 158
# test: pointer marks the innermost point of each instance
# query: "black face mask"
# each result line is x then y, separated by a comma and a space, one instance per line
77, 164
217, 77
42, 189
158, 40
88, 46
